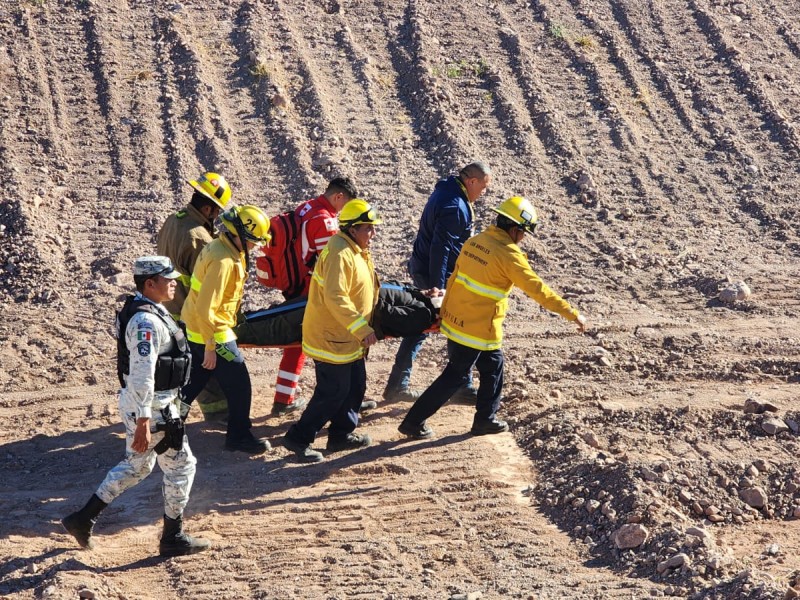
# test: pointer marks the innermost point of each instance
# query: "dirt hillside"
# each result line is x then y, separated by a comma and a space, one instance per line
659, 140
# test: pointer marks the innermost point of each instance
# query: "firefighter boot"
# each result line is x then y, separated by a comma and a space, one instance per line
176, 542
79, 524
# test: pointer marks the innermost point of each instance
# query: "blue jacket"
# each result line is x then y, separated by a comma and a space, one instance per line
445, 225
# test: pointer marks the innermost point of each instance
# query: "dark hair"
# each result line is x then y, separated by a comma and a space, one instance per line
200, 200
477, 169
504, 223
139, 280
343, 185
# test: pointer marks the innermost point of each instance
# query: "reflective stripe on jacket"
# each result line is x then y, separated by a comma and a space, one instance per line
182, 237
216, 293
342, 297
476, 302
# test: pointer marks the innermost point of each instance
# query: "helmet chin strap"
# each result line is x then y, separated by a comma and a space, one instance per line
237, 224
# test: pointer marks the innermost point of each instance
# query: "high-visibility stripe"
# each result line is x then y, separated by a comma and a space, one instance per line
330, 356
220, 337
196, 284
469, 340
226, 335
358, 323
186, 280
316, 276
320, 242
285, 389
288, 376
479, 288
195, 337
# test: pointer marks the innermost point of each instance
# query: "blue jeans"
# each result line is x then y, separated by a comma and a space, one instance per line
461, 359
234, 379
337, 397
400, 376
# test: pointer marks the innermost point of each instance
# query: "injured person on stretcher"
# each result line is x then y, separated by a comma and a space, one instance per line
401, 310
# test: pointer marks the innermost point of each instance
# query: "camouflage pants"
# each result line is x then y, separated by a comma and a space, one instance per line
178, 468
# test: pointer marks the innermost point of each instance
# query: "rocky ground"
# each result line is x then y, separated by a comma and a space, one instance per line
654, 456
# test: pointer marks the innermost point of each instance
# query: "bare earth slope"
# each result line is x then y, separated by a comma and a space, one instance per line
660, 141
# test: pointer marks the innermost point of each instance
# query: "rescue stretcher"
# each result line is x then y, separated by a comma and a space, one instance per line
402, 310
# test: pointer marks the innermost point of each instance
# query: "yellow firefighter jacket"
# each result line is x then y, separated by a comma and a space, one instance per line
182, 237
342, 296
475, 304
216, 292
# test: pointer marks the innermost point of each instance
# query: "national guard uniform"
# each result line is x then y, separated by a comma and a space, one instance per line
153, 361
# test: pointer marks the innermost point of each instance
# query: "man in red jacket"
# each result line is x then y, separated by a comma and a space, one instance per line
318, 224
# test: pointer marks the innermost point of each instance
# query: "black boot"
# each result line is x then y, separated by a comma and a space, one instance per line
175, 542
80, 523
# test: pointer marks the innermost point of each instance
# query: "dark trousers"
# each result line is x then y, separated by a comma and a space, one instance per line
461, 359
337, 397
233, 378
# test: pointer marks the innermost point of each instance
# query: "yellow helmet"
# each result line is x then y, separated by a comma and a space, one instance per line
519, 210
214, 187
249, 222
356, 212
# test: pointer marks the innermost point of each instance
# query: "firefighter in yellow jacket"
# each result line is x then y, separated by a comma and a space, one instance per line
475, 304
182, 237
336, 334
210, 310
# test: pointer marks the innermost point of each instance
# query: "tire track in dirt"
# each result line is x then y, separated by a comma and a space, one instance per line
74, 126
746, 83
555, 140
202, 136
559, 70
716, 101
320, 122
425, 99
707, 182
271, 57
620, 96
38, 88
103, 58
770, 53
361, 116
414, 520
474, 93
372, 524
136, 90
785, 26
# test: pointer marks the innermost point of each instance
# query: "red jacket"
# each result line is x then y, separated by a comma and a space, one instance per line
318, 217
289, 269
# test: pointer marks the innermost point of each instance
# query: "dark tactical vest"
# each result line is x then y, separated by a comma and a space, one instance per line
173, 365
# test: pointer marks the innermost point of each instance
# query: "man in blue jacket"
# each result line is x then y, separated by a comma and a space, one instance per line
446, 223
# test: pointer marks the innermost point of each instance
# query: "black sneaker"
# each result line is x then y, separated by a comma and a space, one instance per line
420, 432
249, 445
368, 405
279, 409
303, 452
401, 395
488, 427
350, 442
